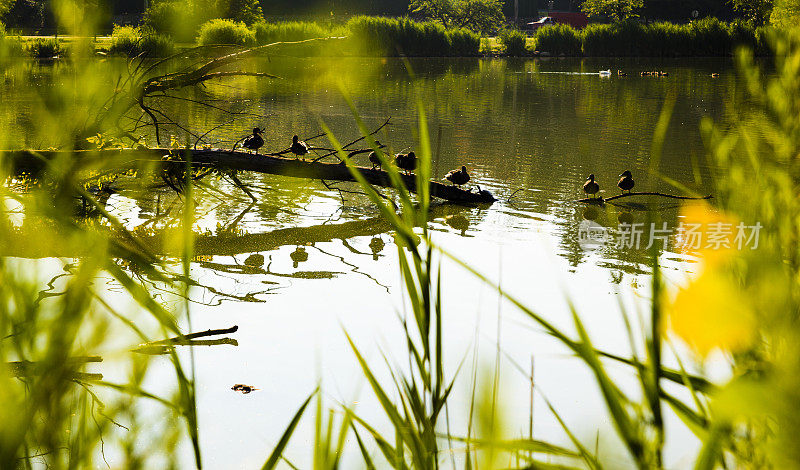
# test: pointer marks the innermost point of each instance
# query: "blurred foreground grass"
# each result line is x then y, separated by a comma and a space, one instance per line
741, 307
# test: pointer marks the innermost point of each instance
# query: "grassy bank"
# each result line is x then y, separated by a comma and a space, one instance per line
705, 38
381, 37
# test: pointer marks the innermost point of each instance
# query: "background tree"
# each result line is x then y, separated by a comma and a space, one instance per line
246, 11
482, 16
614, 10
756, 11
785, 13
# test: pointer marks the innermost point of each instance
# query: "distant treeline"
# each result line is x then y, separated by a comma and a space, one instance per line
703, 38
33, 15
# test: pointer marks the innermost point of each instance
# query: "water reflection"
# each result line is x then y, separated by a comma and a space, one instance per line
521, 130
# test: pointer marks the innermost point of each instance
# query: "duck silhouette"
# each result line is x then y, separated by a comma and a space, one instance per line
590, 187
375, 160
298, 256
376, 245
254, 141
299, 147
406, 161
625, 182
458, 177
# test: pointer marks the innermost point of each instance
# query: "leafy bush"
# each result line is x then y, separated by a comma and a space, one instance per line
390, 36
558, 39
267, 33
9, 47
174, 18
706, 37
125, 40
132, 42
220, 31
513, 41
156, 45
45, 48
463, 42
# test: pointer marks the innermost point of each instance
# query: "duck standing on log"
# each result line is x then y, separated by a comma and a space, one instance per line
254, 141
375, 160
406, 161
625, 182
299, 147
458, 177
590, 187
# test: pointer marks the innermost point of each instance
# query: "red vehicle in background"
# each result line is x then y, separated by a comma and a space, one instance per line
541, 23
575, 19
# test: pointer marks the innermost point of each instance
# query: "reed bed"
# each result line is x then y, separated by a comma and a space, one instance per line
704, 38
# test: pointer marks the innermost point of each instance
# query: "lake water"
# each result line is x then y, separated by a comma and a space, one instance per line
529, 131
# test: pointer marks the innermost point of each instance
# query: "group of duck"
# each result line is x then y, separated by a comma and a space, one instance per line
592, 188
254, 142
404, 161
654, 73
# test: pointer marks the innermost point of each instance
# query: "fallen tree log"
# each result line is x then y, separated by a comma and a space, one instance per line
600, 200
34, 161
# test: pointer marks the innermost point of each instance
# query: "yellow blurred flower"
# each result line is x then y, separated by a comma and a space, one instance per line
708, 233
712, 312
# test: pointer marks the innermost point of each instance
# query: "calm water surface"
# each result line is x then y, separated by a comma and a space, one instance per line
528, 131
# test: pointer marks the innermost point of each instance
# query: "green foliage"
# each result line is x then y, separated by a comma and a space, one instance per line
42, 48
755, 11
9, 46
246, 11
513, 42
267, 33
614, 10
702, 38
392, 37
182, 19
221, 31
558, 39
785, 13
132, 42
463, 42
482, 16
175, 18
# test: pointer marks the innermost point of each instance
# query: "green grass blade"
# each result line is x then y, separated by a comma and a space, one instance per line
275, 457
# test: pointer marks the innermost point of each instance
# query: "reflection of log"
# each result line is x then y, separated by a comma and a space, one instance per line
600, 200
202, 334
33, 368
164, 346
23, 245
225, 159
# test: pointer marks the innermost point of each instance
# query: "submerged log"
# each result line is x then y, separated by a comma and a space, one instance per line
28, 160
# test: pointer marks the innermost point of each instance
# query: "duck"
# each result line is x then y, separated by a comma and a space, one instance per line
625, 182
298, 256
590, 187
299, 147
243, 388
376, 245
406, 161
255, 260
254, 141
375, 160
459, 222
458, 177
